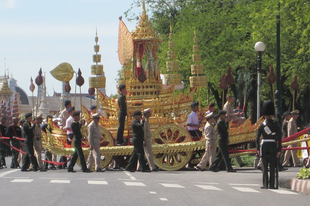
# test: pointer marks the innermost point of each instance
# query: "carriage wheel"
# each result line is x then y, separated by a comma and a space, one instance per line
106, 141
171, 134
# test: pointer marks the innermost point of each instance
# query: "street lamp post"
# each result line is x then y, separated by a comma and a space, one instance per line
259, 47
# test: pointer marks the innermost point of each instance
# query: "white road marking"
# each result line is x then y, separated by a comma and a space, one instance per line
50, 178
134, 184
88, 178
166, 181
22, 180
284, 192
15, 177
208, 183
154, 193
60, 181
172, 185
238, 184
245, 189
130, 176
209, 187
2, 174
97, 182
163, 199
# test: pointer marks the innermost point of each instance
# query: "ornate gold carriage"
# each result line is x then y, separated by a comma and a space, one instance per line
172, 145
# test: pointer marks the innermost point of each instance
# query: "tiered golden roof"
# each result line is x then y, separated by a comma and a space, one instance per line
5, 89
97, 69
199, 80
144, 30
172, 65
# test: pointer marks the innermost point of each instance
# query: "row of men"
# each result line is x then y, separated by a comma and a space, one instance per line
139, 138
268, 147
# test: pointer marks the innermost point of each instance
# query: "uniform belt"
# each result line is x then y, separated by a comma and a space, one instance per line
268, 140
264, 141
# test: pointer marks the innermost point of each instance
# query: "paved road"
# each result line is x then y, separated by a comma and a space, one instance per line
157, 188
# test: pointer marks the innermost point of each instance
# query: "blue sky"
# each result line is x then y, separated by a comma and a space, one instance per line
38, 34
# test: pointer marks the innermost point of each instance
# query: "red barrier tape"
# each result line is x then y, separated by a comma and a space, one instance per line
18, 138
12, 146
294, 136
51, 162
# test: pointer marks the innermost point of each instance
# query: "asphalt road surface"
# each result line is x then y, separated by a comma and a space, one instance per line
157, 188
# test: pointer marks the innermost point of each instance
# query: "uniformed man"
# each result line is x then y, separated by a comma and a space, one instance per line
3, 147
291, 129
29, 135
21, 157
210, 136
14, 131
148, 141
78, 152
69, 121
193, 122
223, 145
64, 115
38, 140
210, 108
94, 138
269, 147
138, 142
121, 114
286, 117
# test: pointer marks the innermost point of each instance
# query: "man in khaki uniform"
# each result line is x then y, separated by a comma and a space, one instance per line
291, 129
211, 138
94, 137
147, 139
38, 140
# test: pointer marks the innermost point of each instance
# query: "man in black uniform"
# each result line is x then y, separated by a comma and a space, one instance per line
29, 134
78, 152
223, 145
14, 131
138, 142
269, 148
121, 114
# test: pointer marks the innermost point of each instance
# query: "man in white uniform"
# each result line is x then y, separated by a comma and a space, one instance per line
193, 122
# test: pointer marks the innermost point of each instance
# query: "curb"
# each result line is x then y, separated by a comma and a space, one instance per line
301, 186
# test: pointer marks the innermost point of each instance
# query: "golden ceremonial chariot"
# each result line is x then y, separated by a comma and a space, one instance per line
172, 145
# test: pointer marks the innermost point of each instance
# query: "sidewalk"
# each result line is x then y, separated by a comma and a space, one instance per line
288, 179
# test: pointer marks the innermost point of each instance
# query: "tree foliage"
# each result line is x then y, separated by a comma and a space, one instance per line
227, 31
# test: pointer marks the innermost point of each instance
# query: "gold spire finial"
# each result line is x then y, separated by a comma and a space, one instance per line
143, 6
96, 38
